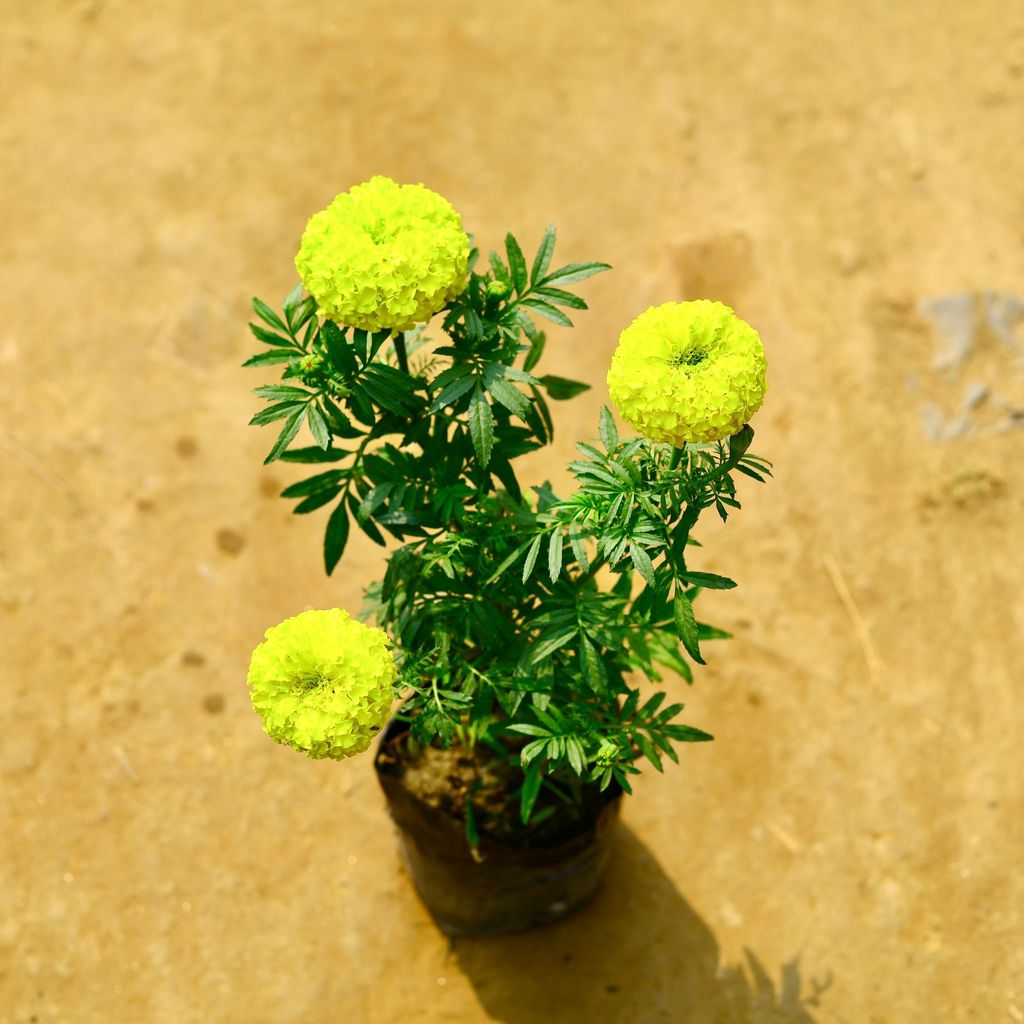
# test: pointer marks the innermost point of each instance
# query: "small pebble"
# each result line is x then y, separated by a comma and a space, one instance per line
214, 703
229, 541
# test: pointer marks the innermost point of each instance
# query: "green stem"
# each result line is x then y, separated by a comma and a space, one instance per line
403, 358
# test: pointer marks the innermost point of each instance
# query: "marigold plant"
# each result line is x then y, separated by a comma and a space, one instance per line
521, 618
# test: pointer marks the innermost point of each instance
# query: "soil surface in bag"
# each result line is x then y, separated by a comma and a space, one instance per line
445, 779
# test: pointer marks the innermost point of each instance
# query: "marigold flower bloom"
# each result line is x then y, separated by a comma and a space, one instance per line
688, 371
384, 256
321, 682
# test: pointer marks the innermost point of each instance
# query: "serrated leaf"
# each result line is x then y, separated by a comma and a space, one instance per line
574, 752
509, 396
575, 272
481, 426
549, 643
529, 729
546, 310
687, 734
270, 338
291, 428
314, 484
555, 555
275, 412
536, 351
708, 580
453, 392
532, 750
293, 298
335, 537
642, 562
282, 391
516, 262
531, 557
561, 388
530, 791
507, 563
317, 425
686, 625
314, 454
315, 501
366, 526
561, 298
543, 258
267, 315
339, 352
609, 432
275, 356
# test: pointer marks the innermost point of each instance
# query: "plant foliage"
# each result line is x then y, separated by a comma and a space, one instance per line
521, 617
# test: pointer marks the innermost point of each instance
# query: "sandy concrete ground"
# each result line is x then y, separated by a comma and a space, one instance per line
824, 166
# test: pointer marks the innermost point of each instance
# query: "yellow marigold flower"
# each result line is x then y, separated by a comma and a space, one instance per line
688, 371
384, 256
321, 682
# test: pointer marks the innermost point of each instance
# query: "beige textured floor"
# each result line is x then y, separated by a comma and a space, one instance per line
823, 166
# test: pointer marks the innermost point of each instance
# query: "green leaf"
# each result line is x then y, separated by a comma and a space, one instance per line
531, 558
292, 299
687, 734
536, 351
508, 395
317, 425
276, 412
373, 500
529, 729
339, 351
267, 315
530, 791
686, 625
708, 580
507, 563
390, 388
546, 310
574, 752
335, 538
532, 749
314, 454
548, 643
642, 562
481, 426
516, 262
561, 388
315, 501
265, 358
575, 272
543, 258
609, 432
591, 665
498, 268
291, 428
338, 422
366, 526
270, 338
314, 484
282, 391
453, 392
555, 555
561, 298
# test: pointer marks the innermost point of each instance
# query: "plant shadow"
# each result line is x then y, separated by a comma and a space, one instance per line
638, 953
